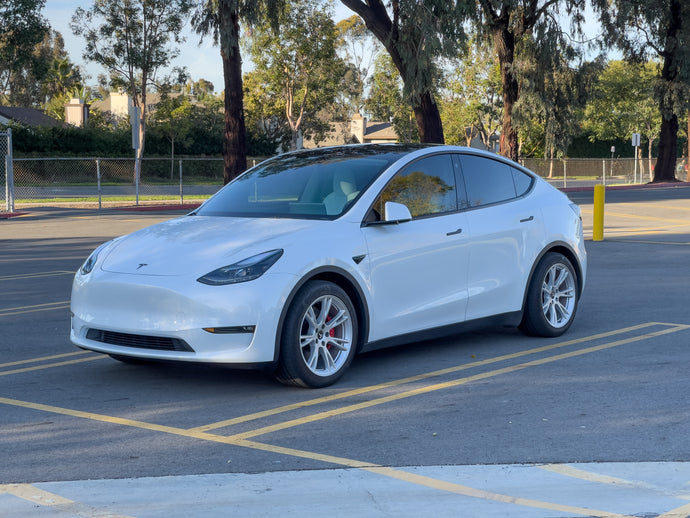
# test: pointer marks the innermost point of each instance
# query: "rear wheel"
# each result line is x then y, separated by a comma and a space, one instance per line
319, 336
552, 297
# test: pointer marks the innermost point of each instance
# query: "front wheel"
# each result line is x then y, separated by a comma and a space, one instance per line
552, 297
319, 336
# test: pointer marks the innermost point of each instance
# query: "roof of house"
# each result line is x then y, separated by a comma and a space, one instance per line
339, 135
28, 116
381, 131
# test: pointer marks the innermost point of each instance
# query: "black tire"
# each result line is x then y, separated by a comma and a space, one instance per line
313, 352
552, 297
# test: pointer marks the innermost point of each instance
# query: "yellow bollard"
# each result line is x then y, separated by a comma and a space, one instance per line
598, 226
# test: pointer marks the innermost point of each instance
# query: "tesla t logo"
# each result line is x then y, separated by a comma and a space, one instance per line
141, 265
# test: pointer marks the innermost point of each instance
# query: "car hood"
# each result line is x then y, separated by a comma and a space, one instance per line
198, 244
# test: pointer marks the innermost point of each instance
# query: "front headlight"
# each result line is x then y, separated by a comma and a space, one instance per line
242, 271
91, 261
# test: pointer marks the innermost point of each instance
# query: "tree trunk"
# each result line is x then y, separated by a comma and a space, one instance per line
504, 41
172, 158
428, 120
235, 134
650, 167
664, 171
375, 17
294, 139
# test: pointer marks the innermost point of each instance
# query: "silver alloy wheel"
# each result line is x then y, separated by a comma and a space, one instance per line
558, 295
326, 335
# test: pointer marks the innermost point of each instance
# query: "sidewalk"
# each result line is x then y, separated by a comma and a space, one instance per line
526, 491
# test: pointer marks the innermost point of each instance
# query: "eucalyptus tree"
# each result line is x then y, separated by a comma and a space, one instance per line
385, 101
300, 65
221, 20
472, 100
658, 29
622, 103
173, 120
360, 48
416, 35
525, 35
133, 40
22, 28
557, 93
47, 79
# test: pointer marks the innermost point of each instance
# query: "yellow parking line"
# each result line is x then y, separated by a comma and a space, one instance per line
433, 483
340, 461
647, 242
669, 208
681, 222
241, 439
487, 495
448, 384
573, 472
42, 359
41, 497
35, 275
681, 512
32, 309
44, 258
51, 365
411, 379
33, 494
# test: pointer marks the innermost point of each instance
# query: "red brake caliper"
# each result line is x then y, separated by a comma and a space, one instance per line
331, 332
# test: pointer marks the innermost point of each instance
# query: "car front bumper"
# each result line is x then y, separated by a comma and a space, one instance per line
151, 317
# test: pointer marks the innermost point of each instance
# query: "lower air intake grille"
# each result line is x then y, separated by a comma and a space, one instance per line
161, 343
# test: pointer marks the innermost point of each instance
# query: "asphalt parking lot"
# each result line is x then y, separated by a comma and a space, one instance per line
492, 423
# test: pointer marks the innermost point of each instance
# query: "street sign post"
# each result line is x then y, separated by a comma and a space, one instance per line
135, 120
636, 145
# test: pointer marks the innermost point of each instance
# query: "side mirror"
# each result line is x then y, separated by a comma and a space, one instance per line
396, 213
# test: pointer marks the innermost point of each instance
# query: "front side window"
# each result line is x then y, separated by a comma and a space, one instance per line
319, 184
426, 187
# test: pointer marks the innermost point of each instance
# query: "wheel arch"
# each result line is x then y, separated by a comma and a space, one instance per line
346, 282
565, 250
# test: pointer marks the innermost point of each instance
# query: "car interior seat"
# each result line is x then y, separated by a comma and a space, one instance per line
344, 190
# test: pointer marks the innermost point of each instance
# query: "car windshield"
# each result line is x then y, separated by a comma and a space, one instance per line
316, 184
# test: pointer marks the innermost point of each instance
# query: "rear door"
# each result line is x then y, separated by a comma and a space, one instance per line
507, 234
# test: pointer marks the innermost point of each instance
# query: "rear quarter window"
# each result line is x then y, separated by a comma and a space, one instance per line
523, 182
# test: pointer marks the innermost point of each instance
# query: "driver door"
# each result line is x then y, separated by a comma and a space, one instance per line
418, 268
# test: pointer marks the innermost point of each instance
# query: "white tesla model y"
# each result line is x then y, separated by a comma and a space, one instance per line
313, 256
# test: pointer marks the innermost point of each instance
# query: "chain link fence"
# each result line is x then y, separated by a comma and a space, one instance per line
105, 181
574, 172
110, 180
6, 166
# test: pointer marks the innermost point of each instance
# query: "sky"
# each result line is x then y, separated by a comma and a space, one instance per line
202, 61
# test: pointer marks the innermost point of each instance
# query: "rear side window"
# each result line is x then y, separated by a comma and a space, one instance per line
487, 181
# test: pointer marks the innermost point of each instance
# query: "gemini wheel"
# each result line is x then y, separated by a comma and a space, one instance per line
552, 297
319, 337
